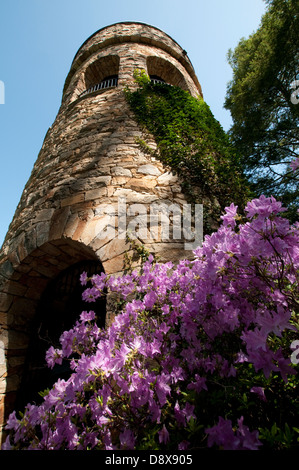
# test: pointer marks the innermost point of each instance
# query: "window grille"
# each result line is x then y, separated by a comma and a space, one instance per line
155, 79
108, 82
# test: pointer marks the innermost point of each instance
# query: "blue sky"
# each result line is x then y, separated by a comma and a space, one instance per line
39, 39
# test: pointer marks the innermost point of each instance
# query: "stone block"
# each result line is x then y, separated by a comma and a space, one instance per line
14, 259
51, 250
6, 319
167, 179
88, 231
113, 248
114, 265
71, 200
120, 171
95, 194
6, 270
110, 191
14, 288
58, 223
119, 180
134, 196
71, 226
141, 183
44, 215
42, 233
86, 182
2, 410
5, 301
3, 389
45, 270
149, 169
164, 192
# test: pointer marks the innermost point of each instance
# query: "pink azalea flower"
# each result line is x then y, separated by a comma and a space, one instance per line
223, 435
12, 422
229, 218
127, 439
264, 206
260, 391
255, 339
163, 435
295, 164
83, 278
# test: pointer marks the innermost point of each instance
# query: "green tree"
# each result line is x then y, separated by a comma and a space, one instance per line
265, 113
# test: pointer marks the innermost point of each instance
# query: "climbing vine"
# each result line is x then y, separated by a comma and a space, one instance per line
191, 142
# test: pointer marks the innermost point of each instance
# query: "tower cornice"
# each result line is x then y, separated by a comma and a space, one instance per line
118, 34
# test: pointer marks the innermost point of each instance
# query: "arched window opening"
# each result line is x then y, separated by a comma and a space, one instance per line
101, 74
58, 310
165, 71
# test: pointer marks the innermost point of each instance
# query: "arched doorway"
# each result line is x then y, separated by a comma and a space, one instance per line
57, 311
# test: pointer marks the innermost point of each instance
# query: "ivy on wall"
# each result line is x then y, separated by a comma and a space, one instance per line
191, 142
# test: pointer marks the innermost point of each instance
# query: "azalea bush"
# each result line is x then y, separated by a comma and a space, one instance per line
198, 357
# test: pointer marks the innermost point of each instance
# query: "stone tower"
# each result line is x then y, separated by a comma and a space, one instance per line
89, 158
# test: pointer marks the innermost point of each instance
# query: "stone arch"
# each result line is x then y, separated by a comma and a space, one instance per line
100, 69
97, 71
58, 310
22, 290
160, 67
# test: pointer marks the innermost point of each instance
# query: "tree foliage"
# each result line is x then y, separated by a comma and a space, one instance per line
265, 113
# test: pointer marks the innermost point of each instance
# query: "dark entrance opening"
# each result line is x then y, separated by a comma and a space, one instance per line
58, 310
